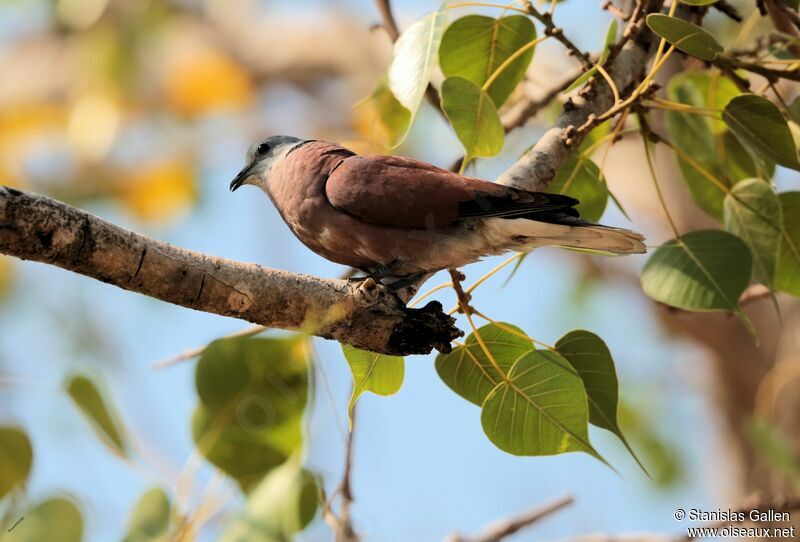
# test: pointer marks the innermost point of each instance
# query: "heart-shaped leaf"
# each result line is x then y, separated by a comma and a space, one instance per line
706, 140
787, 275
590, 357
541, 409
252, 396
100, 413
688, 37
753, 213
16, 458
469, 372
394, 119
54, 520
150, 518
704, 270
414, 59
760, 126
474, 117
475, 46
378, 373
582, 179
280, 506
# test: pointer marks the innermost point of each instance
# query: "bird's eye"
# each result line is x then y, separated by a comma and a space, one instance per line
263, 148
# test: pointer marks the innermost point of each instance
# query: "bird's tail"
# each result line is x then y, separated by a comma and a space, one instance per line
525, 235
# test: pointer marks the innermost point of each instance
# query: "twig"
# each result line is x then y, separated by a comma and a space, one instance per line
539, 165
725, 7
463, 297
506, 527
341, 524
550, 29
771, 74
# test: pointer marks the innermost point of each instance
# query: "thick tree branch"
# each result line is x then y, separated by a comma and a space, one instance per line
538, 167
34, 227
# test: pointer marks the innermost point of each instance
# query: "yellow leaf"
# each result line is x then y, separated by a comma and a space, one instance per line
200, 80
161, 190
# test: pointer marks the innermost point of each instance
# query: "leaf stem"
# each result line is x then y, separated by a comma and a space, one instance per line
662, 201
507, 62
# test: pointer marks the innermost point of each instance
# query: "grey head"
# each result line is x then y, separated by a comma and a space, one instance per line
261, 157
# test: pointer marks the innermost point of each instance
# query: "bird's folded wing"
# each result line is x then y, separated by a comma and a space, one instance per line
402, 192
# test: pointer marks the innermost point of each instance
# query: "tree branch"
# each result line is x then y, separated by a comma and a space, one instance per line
538, 167
509, 526
34, 227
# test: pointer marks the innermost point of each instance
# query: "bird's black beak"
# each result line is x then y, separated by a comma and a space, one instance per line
241, 178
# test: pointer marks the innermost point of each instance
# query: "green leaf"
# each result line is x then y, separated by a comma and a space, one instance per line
663, 458
541, 409
89, 400
689, 38
475, 46
704, 270
414, 59
16, 458
378, 373
590, 357
753, 213
54, 520
760, 126
582, 179
474, 117
252, 396
150, 518
469, 372
787, 275
707, 140
280, 506
394, 118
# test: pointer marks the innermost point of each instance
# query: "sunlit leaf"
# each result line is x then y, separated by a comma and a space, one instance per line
541, 409
475, 46
468, 371
590, 357
149, 520
474, 117
160, 190
278, 507
99, 411
787, 275
54, 520
378, 373
759, 124
687, 37
252, 396
16, 458
414, 59
704, 270
753, 213
582, 179
201, 79
393, 117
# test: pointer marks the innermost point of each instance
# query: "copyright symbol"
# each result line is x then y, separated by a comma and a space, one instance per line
680, 514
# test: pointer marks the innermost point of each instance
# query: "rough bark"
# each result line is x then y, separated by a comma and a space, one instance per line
34, 227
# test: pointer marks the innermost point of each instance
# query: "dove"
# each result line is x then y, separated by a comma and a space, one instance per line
398, 219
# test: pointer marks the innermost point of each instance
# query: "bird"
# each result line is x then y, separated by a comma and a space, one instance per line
398, 219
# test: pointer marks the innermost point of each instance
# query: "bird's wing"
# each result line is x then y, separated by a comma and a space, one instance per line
402, 192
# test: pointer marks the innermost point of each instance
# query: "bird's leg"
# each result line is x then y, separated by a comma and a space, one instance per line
378, 273
401, 283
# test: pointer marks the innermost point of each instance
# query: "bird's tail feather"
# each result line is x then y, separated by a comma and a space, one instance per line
525, 235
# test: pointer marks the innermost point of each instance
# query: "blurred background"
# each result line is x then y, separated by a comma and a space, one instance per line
142, 111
